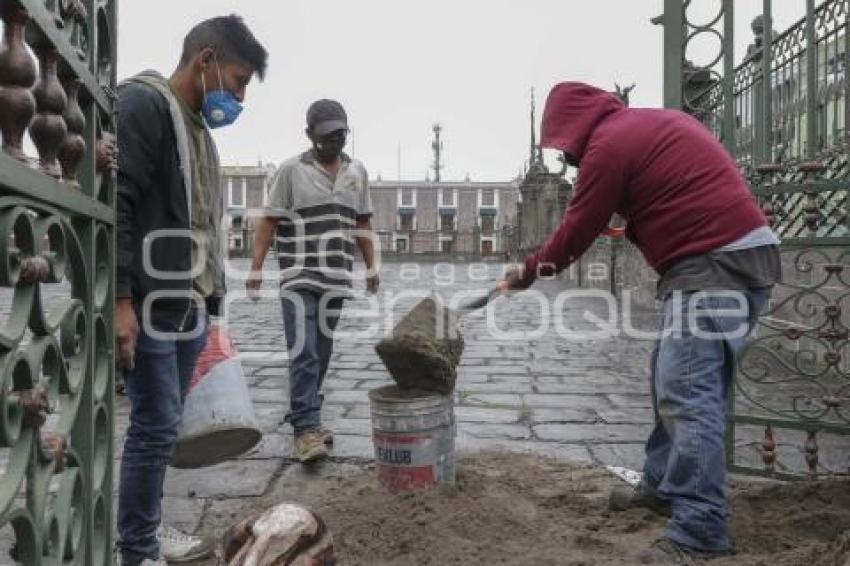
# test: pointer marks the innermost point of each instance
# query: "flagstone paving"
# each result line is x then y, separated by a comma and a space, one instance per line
567, 390
525, 388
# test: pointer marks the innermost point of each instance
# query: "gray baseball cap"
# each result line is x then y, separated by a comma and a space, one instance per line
326, 116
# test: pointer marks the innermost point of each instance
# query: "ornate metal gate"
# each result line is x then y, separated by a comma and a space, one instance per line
783, 114
57, 73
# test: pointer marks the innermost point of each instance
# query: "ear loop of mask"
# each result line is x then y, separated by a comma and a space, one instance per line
218, 71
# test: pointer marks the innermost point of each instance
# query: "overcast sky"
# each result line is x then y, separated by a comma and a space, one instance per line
399, 66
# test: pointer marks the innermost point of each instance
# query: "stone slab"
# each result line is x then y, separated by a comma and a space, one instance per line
629, 456
240, 478
353, 446
507, 431
591, 433
467, 414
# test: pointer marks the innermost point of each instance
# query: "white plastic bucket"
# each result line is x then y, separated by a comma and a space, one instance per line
218, 417
413, 433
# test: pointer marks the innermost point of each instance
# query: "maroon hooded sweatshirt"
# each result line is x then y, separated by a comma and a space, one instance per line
674, 183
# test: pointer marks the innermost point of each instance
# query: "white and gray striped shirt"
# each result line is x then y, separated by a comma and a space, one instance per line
316, 222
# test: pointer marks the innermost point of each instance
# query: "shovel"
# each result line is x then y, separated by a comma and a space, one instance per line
449, 318
480, 302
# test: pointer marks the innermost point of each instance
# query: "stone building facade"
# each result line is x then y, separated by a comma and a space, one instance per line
447, 219
444, 219
244, 191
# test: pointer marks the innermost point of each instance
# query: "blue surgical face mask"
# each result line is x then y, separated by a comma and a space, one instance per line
220, 108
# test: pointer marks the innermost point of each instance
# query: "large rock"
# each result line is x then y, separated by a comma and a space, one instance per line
424, 349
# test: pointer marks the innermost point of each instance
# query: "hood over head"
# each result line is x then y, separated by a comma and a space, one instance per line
573, 111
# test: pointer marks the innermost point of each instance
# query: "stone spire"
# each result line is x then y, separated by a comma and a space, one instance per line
532, 153
535, 152
437, 146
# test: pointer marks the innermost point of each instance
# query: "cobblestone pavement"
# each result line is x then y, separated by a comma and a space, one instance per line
581, 398
537, 375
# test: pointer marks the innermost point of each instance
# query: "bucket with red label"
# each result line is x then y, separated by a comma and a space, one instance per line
218, 417
414, 437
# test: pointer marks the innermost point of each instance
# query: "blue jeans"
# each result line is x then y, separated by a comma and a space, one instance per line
156, 389
691, 381
309, 320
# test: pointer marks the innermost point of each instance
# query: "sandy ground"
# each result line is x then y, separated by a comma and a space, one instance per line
525, 510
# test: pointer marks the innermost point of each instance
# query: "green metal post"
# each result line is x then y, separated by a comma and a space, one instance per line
811, 82
846, 121
766, 150
729, 76
674, 54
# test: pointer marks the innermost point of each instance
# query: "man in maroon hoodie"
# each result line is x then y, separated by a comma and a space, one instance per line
692, 216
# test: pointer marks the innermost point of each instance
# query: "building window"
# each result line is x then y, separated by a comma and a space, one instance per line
448, 197
407, 197
486, 247
406, 223
236, 241
446, 246
488, 224
447, 222
237, 193
401, 245
488, 197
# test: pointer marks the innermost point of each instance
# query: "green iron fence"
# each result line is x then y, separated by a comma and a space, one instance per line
57, 220
782, 113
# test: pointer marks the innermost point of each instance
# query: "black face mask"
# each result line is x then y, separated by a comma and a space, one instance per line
570, 160
329, 147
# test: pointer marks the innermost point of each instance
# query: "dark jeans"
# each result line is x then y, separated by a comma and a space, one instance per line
156, 389
692, 376
309, 320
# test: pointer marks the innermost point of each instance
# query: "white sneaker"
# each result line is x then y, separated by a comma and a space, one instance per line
149, 562
145, 562
176, 547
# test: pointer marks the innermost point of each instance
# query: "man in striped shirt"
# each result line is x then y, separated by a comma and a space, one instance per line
319, 208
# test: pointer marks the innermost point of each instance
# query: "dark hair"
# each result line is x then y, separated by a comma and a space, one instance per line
231, 39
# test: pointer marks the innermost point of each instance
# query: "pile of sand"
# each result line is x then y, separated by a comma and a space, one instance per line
424, 349
517, 510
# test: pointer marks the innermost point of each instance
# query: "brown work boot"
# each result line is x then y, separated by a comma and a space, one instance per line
310, 446
625, 497
327, 435
667, 552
